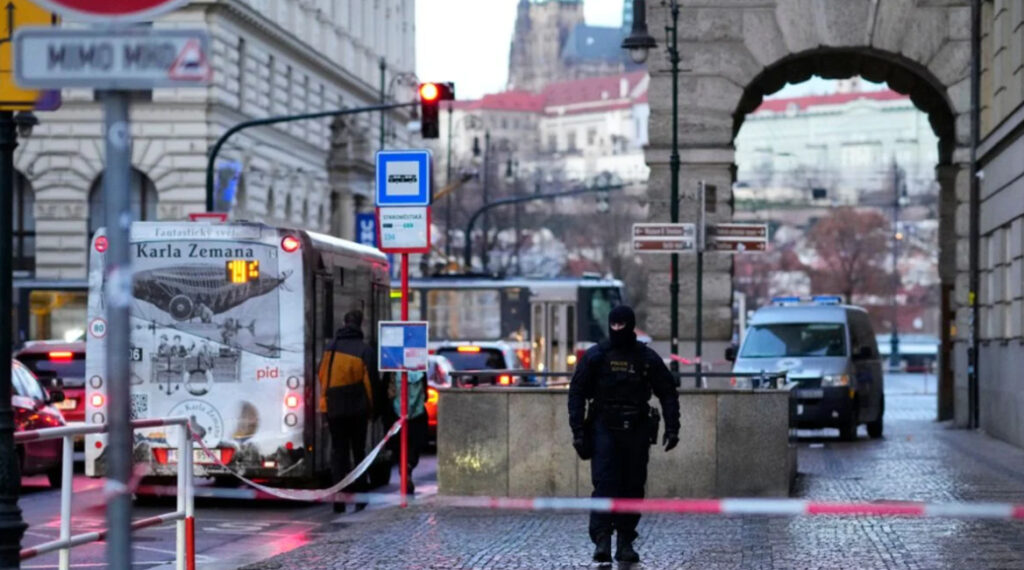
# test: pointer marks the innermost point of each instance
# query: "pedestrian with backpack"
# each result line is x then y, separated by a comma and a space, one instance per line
348, 374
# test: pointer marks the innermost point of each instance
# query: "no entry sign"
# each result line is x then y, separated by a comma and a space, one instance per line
107, 11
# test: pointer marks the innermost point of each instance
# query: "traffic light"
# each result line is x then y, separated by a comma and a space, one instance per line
431, 94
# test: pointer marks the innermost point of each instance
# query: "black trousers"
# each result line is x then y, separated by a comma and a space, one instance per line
618, 469
348, 448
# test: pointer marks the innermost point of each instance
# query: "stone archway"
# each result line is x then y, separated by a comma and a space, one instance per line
735, 54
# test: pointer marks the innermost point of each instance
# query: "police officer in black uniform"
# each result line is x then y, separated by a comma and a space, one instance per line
616, 379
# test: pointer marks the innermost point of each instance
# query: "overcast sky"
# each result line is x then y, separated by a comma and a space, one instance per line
467, 41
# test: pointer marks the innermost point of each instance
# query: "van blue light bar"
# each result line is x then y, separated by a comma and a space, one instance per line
827, 299
781, 300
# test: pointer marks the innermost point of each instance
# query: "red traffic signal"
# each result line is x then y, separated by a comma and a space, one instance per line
430, 95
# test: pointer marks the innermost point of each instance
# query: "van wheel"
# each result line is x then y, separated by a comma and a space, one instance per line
848, 431
875, 428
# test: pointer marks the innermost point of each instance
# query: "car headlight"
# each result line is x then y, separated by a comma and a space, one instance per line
835, 380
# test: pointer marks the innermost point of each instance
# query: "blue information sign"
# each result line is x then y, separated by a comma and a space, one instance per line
403, 346
403, 178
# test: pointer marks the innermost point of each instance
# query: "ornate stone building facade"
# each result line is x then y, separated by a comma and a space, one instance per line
269, 57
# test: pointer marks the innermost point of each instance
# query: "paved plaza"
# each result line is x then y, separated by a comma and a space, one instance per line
918, 460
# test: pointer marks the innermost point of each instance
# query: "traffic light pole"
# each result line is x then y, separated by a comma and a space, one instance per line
215, 151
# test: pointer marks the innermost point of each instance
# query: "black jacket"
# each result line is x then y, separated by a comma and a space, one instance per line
352, 361
596, 379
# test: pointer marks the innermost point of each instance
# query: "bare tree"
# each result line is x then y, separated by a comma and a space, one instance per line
851, 247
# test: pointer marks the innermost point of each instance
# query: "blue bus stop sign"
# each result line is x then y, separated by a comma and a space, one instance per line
403, 178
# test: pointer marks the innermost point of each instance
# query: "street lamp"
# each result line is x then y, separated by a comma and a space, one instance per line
12, 526
639, 43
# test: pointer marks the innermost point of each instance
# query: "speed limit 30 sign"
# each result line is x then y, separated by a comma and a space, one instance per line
111, 11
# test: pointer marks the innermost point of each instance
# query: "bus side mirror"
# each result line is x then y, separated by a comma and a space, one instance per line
730, 353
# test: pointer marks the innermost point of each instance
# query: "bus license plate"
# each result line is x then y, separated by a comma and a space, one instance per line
810, 394
198, 456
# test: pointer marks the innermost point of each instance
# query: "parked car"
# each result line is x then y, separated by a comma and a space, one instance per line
494, 355
33, 410
829, 355
59, 365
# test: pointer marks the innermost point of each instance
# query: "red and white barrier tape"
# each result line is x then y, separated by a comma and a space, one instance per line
309, 495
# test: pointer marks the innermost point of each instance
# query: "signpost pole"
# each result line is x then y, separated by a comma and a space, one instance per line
701, 237
403, 435
12, 526
116, 184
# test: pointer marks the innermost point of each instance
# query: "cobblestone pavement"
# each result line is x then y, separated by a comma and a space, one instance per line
919, 459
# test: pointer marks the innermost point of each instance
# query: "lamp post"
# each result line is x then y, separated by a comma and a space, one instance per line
511, 176
899, 191
484, 258
12, 526
639, 43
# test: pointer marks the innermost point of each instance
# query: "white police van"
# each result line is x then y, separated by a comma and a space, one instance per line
829, 355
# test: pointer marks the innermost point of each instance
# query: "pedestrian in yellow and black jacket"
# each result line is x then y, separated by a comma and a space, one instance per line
348, 377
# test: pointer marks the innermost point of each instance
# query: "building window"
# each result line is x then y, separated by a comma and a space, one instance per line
552, 143
288, 207
271, 204
24, 227
591, 137
143, 205
572, 141
271, 84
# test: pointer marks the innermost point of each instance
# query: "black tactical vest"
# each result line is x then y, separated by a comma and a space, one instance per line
622, 378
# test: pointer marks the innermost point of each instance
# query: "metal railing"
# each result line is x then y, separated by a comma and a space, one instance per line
184, 515
758, 380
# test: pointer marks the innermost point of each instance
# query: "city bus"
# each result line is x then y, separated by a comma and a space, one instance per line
228, 323
550, 322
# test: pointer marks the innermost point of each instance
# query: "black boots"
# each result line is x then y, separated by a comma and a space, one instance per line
603, 550
624, 551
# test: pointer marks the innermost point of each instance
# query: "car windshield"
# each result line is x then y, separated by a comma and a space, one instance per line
795, 339
71, 371
483, 359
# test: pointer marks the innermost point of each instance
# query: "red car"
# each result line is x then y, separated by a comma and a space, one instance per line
33, 410
59, 365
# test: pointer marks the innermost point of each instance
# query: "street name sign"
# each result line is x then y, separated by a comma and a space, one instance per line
664, 238
403, 346
124, 58
403, 178
737, 237
404, 230
111, 11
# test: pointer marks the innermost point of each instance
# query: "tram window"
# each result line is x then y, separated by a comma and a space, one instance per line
596, 304
464, 314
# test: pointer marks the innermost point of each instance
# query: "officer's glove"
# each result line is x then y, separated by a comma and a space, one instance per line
670, 441
583, 448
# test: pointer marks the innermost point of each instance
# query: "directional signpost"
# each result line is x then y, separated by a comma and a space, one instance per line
114, 59
737, 238
403, 218
664, 238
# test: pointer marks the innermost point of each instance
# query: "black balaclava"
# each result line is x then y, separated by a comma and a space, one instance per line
626, 337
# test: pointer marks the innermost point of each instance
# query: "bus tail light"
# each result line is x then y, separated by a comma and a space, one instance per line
291, 401
504, 379
290, 243
61, 355
96, 400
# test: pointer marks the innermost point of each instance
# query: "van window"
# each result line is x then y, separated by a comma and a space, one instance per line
795, 339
